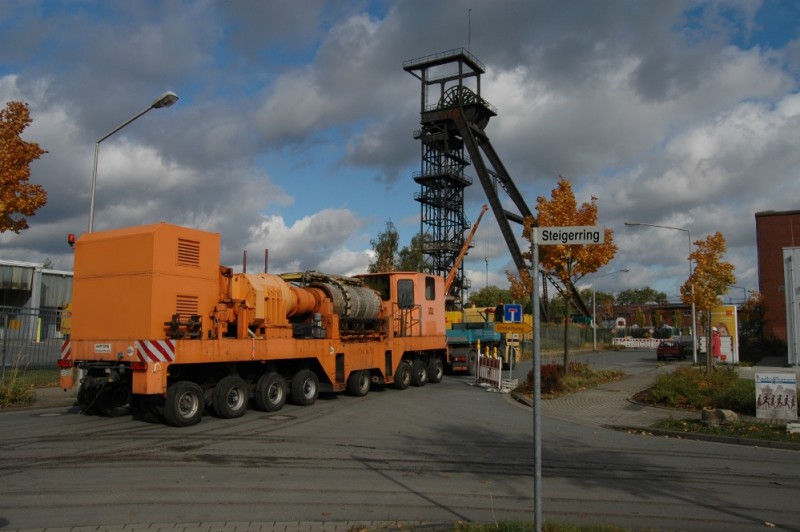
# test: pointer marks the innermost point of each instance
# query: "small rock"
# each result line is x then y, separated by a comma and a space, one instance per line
714, 417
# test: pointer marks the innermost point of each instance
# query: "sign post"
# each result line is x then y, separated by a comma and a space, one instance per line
553, 236
537, 386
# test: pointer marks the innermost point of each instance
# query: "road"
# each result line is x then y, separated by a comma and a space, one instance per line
441, 453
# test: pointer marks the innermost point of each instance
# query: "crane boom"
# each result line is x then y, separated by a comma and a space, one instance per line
457, 262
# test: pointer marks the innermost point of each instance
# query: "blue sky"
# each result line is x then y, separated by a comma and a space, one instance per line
294, 127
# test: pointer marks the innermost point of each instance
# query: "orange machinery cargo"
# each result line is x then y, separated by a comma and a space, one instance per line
160, 326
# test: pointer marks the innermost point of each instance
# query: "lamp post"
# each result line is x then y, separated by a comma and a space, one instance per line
594, 305
165, 100
694, 318
744, 293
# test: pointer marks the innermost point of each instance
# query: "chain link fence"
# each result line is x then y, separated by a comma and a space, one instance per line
29, 339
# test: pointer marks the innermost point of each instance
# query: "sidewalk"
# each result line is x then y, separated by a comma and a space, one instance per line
611, 405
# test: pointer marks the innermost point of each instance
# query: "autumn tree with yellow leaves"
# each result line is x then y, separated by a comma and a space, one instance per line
18, 198
710, 279
564, 265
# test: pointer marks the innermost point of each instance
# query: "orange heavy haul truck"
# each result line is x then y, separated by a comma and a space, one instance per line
159, 327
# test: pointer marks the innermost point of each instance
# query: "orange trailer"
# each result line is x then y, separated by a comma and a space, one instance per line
160, 327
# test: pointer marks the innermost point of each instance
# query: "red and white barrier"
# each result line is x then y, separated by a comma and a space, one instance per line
490, 370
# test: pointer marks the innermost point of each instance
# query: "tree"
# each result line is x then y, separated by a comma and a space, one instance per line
710, 279
752, 315
388, 259
18, 198
490, 296
385, 247
565, 264
641, 296
411, 258
677, 319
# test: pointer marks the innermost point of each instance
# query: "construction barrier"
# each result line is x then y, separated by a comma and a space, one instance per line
637, 343
490, 370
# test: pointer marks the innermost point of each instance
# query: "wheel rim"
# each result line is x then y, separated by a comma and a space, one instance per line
275, 393
363, 381
235, 398
188, 404
309, 388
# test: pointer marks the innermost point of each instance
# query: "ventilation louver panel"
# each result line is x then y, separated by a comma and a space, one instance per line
186, 305
188, 253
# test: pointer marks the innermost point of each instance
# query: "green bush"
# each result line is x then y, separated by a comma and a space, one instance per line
579, 377
689, 387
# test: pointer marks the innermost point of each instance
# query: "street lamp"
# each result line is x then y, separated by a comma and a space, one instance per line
744, 293
694, 318
594, 305
165, 100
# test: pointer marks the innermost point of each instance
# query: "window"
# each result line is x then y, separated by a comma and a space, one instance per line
430, 288
405, 293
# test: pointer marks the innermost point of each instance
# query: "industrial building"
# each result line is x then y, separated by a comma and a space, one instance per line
31, 298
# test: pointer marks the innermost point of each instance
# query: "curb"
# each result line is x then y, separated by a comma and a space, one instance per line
713, 438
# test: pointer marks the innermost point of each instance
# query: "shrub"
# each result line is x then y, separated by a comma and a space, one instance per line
688, 387
580, 376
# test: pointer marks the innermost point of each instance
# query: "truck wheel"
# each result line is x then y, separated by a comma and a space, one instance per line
402, 378
114, 401
435, 371
86, 399
271, 392
230, 396
184, 404
305, 387
472, 362
358, 383
419, 373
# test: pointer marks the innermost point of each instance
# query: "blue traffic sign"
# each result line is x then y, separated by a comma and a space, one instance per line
512, 313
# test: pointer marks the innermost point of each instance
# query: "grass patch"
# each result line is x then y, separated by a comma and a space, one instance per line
14, 390
580, 377
18, 382
693, 389
750, 430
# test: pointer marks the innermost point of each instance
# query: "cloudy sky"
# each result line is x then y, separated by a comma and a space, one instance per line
294, 128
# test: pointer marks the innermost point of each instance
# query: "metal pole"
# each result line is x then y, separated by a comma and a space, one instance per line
594, 318
537, 386
165, 100
694, 314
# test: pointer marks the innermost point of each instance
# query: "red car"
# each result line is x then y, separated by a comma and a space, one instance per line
670, 349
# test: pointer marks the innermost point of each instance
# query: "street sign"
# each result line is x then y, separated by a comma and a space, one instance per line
584, 234
512, 328
512, 313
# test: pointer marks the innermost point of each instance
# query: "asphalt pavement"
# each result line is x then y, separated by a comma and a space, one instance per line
609, 405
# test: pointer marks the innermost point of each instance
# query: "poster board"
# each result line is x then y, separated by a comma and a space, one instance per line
725, 319
776, 395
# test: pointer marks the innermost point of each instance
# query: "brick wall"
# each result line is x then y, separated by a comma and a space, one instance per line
775, 231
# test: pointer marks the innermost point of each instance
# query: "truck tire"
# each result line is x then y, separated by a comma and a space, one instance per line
184, 404
114, 401
435, 371
402, 377
271, 392
419, 373
305, 387
86, 399
230, 396
358, 383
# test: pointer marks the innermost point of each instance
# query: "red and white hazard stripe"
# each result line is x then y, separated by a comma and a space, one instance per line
155, 350
66, 350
